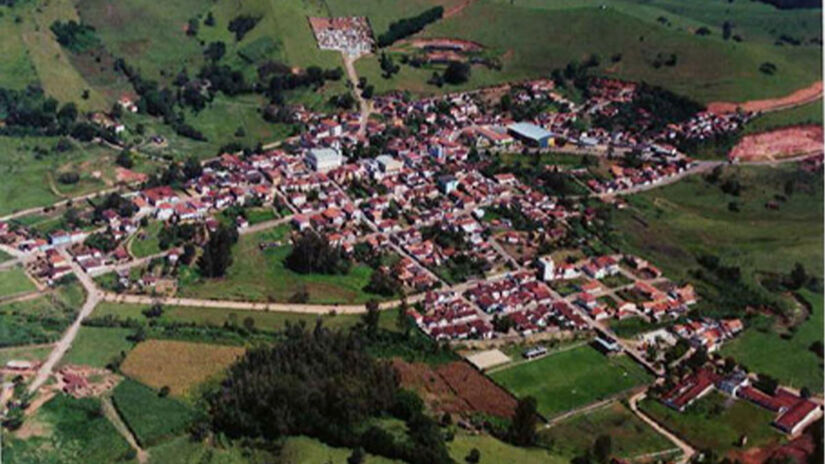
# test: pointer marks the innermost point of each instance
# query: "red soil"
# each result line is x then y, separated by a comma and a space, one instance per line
780, 143
808, 94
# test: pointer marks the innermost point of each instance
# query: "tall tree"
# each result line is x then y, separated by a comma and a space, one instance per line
217, 254
523, 427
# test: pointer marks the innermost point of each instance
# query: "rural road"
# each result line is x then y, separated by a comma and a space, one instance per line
687, 450
63, 345
111, 413
363, 104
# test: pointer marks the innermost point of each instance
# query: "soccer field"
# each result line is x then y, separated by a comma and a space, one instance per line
571, 379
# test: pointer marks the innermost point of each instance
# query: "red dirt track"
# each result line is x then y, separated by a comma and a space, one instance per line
806, 95
779, 143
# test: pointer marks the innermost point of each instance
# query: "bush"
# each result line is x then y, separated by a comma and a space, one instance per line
68, 178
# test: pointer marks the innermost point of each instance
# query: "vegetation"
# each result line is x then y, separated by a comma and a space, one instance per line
322, 384
217, 253
631, 437
571, 378
409, 26
312, 253
98, 347
75, 36
14, 281
178, 366
39, 320
714, 423
151, 417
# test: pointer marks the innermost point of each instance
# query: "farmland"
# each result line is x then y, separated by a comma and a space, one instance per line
150, 417
631, 437
257, 275
571, 379
26, 353
715, 423
178, 365
78, 433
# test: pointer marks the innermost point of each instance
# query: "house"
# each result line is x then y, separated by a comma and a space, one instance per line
547, 268
798, 416
689, 390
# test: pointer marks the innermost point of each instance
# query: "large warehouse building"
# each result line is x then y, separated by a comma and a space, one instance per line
531, 134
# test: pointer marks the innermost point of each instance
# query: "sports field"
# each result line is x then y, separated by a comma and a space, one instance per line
571, 379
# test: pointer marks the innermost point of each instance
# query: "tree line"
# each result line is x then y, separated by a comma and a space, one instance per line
408, 26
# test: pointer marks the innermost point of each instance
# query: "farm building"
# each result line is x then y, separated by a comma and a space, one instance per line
531, 134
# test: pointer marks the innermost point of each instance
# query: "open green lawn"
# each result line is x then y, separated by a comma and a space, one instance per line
151, 418
218, 316
493, 450
791, 361
262, 276
809, 113
97, 346
631, 437
146, 242
14, 281
571, 379
632, 326
77, 431
532, 37
716, 422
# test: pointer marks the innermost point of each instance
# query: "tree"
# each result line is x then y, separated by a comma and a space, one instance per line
312, 252
217, 254
357, 456
156, 310
249, 323
602, 449
371, 318
215, 51
210, 19
457, 73
522, 430
124, 159
402, 320
164, 391
474, 456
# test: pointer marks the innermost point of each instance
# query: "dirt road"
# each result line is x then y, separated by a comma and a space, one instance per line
363, 104
92, 299
687, 450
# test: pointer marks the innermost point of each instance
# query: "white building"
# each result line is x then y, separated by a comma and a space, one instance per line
324, 159
548, 268
388, 164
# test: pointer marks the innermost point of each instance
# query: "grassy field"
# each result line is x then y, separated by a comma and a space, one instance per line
69, 430
183, 450
14, 281
493, 450
630, 436
97, 346
809, 113
141, 247
177, 365
715, 423
26, 353
305, 450
30, 180
217, 317
791, 360
262, 276
691, 217
151, 418
532, 37
41, 319
571, 379
631, 327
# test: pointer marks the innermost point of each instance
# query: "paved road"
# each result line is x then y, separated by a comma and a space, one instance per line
92, 299
687, 450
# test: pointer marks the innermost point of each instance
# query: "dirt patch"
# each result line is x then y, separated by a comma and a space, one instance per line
456, 388
458, 8
796, 450
810, 93
446, 44
780, 143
